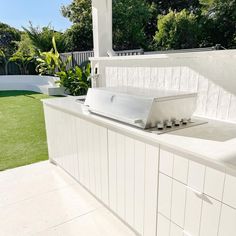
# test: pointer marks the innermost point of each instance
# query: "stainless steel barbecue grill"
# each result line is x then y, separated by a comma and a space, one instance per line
156, 110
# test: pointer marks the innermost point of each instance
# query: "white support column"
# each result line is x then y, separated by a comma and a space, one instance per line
102, 27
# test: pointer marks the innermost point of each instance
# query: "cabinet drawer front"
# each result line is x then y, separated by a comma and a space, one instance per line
227, 221
175, 230
163, 226
165, 195
230, 191
166, 162
214, 183
193, 213
180, 169
196, 176
178, 203
210, 217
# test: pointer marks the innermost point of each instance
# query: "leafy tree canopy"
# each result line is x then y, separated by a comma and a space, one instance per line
8, 37
177, 30
42, 37
129, 19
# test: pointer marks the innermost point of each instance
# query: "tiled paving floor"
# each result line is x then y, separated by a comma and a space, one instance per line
41, 199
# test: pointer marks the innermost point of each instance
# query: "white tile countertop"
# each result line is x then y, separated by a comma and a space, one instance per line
212, 143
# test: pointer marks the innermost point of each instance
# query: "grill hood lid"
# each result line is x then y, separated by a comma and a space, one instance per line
140, 107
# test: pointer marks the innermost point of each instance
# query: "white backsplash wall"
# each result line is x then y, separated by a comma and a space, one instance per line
213, 101
211, 73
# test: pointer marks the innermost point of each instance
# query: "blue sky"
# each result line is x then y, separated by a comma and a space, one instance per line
18, 13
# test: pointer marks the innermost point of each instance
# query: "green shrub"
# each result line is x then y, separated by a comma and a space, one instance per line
50, 62
177, 30
76, 80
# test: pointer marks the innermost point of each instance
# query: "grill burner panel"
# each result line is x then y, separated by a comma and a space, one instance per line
165, 129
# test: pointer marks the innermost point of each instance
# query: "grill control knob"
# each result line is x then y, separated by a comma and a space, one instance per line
168, 124
177, 122
184, 121
160, 125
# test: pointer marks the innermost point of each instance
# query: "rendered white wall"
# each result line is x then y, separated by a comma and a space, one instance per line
212, 74
36, 83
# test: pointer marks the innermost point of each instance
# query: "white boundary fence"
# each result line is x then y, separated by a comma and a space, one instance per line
82, 56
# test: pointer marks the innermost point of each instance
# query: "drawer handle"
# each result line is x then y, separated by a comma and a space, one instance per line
195, 191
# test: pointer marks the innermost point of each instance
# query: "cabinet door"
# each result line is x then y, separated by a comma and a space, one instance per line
227, 221
92, 156
210, 217
61, 138
163, 226
133, 173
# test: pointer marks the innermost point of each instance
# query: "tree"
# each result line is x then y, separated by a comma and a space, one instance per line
24, 57
177, 30
8, 36
22, 61
80, 36
42, 37
25, 45
157, 7
3, 61
219, 22
129, 19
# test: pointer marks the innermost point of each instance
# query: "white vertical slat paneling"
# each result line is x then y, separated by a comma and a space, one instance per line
141, 76
104, 165
184, 79
97, 161
168, 78
151, 183
63, 142
232, 109
161, 78
120, 76
91, 157
147, 77
125, 78
86, 154
153, 77
176, 72
50, 127
193, 81
212, 100
120, 145
129, 183
139, 185
112, 170
193, 213
75, 152
223, 105
80, 148
93, 164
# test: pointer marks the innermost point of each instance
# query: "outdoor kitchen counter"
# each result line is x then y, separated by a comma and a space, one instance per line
212, 143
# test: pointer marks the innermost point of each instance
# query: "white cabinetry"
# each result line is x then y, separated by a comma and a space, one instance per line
92, 156
133, 172
61, 136
80, 148
197, 201
176, 197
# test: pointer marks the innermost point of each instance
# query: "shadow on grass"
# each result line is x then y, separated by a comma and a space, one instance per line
14, 93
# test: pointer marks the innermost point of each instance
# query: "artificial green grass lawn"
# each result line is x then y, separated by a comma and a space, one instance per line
22, 129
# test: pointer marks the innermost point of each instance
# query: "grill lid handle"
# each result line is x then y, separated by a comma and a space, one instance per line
137, 121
